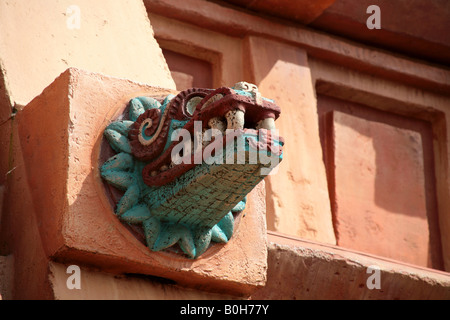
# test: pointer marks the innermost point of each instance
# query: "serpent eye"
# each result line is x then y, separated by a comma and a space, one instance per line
192, 104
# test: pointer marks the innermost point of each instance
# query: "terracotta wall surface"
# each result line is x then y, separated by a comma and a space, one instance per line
19, 235
297, 194
212, 16
223, 52
401, 101
374, 193
189, 72
400, 32
297, 270
104, 286
37, 43
383, 208
406, 26
304, 270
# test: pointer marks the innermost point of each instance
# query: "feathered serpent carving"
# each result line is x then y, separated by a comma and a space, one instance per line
189, 204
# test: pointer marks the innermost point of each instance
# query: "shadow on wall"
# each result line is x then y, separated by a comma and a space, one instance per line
382, 182
297, 198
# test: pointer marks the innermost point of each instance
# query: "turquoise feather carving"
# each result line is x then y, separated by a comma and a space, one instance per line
190, 204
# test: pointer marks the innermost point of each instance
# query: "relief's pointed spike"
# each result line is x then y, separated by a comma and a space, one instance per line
240, 206
136, 109
118, 141
128, 200
120, 162
218, 235
168, 99
227, 225
169, 235
136, 214
149, 103
121, 126
152, 229
202, 239
186, 242
122, 180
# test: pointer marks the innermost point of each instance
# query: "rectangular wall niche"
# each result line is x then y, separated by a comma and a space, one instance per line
381, 181
189, 72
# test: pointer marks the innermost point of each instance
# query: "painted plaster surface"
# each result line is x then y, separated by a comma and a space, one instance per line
104, 286
377, 62
402, 99
41, 39
312, 271
297, 196
382, 209
399, 32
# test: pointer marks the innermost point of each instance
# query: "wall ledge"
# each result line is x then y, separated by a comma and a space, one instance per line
302, 269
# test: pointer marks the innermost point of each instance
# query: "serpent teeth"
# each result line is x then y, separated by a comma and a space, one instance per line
268, 124
217, 123
235, 119
204, 141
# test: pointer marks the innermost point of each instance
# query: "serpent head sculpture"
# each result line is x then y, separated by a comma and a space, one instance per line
185, 164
